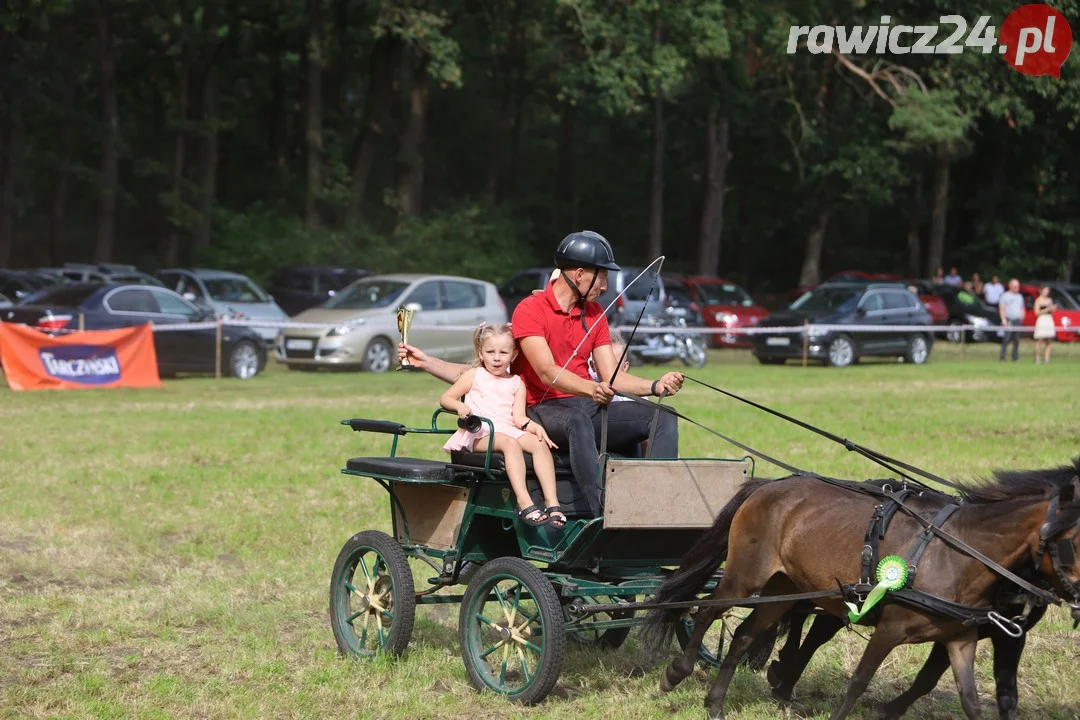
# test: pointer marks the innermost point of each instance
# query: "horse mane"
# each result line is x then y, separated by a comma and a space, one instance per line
1021, 484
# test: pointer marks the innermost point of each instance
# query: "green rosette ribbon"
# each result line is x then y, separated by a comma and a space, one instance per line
891, 575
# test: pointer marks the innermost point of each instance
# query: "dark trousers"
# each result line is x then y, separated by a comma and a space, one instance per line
574, 425
1011, 336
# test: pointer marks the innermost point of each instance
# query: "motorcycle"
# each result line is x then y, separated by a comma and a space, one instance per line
661, 346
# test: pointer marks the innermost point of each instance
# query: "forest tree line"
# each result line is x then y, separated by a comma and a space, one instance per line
469, 136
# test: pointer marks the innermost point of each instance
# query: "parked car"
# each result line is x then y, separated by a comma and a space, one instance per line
101, 273
629, 306
1067, 314
16, 285
934, 305
849, 304
725, 305
226, 294
365, 333
522, 284
5, 302
296, 289
964, 308
110, 305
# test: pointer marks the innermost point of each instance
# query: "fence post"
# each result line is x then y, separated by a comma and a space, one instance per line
217, 350
80, 322
805, 340
963, 345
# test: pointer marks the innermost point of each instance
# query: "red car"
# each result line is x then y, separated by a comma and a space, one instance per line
1067, 314
725, 304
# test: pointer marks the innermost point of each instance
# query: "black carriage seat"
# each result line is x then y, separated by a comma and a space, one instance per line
404, 468
571, 500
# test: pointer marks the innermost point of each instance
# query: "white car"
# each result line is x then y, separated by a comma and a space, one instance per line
362, 327
228, 294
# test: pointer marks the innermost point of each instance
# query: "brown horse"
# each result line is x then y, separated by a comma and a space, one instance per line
802, 534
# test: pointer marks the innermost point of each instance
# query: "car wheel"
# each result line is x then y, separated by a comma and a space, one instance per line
244, 360
918, 350
953, 335
841, 352
377, 355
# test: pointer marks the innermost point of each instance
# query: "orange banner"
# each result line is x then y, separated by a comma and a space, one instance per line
33, 360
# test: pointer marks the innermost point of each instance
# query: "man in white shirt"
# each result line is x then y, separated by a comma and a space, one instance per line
1011, 310
953, 278
992, 291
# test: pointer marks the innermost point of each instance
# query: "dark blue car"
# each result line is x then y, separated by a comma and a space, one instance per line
112, 305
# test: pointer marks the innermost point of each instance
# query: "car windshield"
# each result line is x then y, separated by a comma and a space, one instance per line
238, 290
724, 294
827, 299
1073, 293
367, 294
61, 295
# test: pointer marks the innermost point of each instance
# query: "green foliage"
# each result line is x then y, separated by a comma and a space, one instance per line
929, 119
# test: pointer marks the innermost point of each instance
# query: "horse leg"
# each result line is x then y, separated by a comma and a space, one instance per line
762, 618
881, 644
779, 667
683, 664
962, 658
1007, 651
822, 630
927, 679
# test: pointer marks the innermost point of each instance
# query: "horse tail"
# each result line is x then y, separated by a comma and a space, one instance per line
697, 566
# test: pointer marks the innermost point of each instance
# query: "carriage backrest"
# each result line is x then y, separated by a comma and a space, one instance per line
670, 493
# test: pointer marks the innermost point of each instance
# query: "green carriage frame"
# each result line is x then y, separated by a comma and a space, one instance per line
461, 520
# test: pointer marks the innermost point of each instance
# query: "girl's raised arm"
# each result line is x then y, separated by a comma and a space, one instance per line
451, 399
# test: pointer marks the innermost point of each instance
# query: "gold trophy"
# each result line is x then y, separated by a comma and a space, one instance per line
404, 322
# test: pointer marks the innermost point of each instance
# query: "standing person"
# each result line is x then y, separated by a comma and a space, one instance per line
1011, 311
492, 392
977, 284
953, 278
558, 331
992, 291
1044, 323
939, 277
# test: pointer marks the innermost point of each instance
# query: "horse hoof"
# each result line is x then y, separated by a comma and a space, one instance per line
783, 696
773, 674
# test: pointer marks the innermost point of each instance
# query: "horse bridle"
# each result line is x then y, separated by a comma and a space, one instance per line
1061, 552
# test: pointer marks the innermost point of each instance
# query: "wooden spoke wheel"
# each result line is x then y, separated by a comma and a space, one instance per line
512, 633
372, 596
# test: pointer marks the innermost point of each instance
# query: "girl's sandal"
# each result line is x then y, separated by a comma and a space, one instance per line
534, 516
555, 516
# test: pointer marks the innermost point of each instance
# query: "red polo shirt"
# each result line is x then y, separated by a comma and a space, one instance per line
539, 315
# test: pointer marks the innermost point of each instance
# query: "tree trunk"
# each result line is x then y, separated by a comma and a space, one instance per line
914, 248
277, 130
520, 61
183, 83
10, 151
815, 241
110, 153
410, 181
718, 157
209, 154
58, 213
380, 97
505, 76
936, 252
314, 114
565, 175
656, 194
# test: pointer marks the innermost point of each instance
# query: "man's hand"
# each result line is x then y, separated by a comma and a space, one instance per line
602, 393
415, 355
671, 382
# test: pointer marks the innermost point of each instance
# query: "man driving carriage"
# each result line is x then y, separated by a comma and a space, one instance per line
557, 331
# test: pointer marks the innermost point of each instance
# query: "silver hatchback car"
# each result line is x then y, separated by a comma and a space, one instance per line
361, 322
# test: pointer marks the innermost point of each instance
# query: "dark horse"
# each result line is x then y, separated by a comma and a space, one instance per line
785, 671
800, 534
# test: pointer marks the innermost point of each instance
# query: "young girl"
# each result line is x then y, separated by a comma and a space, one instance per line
492, 392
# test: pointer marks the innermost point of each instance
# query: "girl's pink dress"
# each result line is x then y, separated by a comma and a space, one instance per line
492, 398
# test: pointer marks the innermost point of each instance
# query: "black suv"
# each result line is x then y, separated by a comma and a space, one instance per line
850, 305
295, 289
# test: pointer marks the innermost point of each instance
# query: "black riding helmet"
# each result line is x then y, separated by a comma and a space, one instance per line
585, 249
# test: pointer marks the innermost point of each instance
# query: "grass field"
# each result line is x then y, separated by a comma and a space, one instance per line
166, 553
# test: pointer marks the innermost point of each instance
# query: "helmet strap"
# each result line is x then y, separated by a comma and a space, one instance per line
581, 296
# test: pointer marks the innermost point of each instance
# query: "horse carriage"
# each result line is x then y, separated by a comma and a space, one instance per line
526, 589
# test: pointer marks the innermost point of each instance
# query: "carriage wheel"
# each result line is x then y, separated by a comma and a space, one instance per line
610, 639
512, 632
372, 596
711, 651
